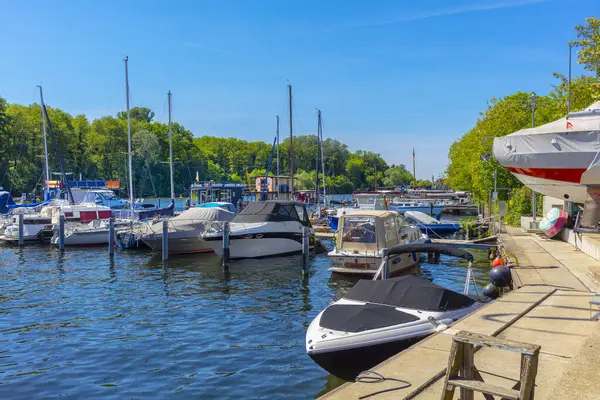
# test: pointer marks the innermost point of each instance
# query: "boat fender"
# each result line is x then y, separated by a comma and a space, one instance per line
498, 261
439, 326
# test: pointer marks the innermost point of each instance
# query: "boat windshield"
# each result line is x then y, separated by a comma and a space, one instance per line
359, 230
110, 195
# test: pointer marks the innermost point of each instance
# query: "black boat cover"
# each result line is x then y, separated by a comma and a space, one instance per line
431, 248
352, 318
409, 292
272, 211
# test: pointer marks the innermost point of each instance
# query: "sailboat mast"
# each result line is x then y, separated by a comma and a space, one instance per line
277, 117
320, 133
46, 165
129, 158
414, 169
317, 163
291, 151
171, 150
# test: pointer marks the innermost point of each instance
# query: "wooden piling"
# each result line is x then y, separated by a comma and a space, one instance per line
226, 232
165, 239
21, 233
111, 236
305, 250
61, 232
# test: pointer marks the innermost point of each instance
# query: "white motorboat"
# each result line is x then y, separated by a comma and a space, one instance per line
185, 230
553, 158
379, 318
263, 229
86, 224
37, 227
363, 234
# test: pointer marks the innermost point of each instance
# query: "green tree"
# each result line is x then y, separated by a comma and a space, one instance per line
589, 44
141, 114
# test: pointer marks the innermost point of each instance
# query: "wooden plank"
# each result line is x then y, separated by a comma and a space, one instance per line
502, 344
468, 365
454, 360
528, 373
485, 388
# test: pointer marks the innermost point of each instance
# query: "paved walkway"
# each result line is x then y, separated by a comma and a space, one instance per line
551, 308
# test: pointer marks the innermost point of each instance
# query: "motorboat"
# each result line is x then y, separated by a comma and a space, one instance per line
101, 197
554, 158
362, 201
427, 224
379, 318
37, 227
263, 229
86, 224
362, 236
185, 230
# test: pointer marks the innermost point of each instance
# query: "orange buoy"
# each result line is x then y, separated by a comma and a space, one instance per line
498, 261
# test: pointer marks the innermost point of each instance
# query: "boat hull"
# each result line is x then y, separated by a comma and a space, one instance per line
84, 238
242, 247
347, 364
191, 245
355, 264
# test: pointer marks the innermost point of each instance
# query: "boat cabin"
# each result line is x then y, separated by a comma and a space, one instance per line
369, 231
206, 192
370, 201
273, 211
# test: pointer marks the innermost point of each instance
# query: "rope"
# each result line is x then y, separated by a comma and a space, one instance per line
376, 377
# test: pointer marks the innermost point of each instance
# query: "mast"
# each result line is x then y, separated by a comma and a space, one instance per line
129, 158
277, 116
291, 151
317, 164
171, 150
414, 168
320, 132
46, 165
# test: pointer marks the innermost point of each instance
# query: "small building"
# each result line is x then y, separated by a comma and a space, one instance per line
205, 192
271, 184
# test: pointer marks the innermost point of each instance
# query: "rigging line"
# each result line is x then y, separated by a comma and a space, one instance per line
163, 110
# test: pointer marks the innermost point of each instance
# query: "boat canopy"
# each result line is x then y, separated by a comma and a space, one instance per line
421, 218
193, 219
352, 318
273, 211
408, 292
5, 201
369, 230
431, 248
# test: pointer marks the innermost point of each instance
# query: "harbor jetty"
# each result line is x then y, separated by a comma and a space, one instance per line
550, 306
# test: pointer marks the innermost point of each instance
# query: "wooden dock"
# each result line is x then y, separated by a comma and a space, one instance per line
485, 243
550, 308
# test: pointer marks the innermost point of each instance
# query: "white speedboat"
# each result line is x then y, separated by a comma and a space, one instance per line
363, 234
186, 229
553, 158
263, 229
379, 318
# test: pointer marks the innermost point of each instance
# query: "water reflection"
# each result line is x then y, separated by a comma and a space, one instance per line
183, 329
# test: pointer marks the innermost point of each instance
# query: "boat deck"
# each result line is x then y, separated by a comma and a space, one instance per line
550, 308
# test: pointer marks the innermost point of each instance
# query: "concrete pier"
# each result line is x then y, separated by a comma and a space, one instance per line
550, 307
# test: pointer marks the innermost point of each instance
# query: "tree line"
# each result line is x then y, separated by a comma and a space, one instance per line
470, 169
97, 149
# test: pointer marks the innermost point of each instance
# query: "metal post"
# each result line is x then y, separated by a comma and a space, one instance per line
61, 232
305, 250
533, 196
21, 233
569, 89
226, 232
111, 236
386, 268
165, 239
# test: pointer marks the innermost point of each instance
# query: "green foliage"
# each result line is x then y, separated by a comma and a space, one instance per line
589, 43
397, 175
98, 149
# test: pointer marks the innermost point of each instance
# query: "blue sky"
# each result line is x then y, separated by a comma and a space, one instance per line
387, 75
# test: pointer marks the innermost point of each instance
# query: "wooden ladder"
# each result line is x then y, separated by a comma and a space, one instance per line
462, 373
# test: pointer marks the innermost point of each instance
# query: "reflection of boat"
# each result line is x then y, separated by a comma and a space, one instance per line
429, 224
185, 230
363, 234
377, 319
552, 158
262, 229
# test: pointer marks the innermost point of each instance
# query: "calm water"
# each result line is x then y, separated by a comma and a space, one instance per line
80, 326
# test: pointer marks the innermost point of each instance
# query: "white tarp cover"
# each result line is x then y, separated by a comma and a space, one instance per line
422, 217
553, 145
193, 219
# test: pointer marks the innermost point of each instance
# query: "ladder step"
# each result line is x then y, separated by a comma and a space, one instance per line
483, 387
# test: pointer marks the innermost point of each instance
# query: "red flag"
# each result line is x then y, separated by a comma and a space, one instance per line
569, 125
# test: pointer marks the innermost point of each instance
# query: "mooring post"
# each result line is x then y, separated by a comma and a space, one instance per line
431, 209
21, 233
305, 250
165, 239
61, 232
386, 267
111, 236
226, 231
